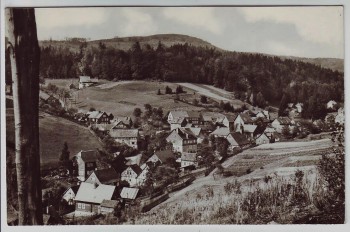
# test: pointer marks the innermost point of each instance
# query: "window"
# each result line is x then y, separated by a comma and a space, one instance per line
79, 205
82, 206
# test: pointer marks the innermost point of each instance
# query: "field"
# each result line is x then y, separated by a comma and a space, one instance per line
53, 132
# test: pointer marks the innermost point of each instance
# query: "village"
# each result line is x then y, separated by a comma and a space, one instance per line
151, 154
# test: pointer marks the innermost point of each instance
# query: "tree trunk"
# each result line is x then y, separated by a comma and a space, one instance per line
25, 57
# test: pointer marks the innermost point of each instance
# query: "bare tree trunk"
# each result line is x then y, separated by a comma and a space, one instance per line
25, 57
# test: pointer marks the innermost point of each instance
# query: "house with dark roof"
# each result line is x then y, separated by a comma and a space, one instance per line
129, 137
109, 206
229, 121
281, 122
98, 117
48, 98
132, 175
236, 140
69, 194
198, 132
122, 121
90, 196
84, 163
162, 157
105, 176
194, 117
183, 140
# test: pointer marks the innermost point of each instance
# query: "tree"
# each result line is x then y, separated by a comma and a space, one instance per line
25, 57
137, 112
195, 102
158, 92
168, 90
64, 156
286, 131
179, 89
204, 99
222, 146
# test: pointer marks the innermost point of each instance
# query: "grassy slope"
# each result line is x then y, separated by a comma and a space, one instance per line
54, 131
277, 159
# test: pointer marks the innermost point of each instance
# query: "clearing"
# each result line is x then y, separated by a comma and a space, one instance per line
53, 132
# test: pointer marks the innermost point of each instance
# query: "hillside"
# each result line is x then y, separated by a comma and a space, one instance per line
125, 43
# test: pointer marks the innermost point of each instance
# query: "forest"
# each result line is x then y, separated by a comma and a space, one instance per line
259, 79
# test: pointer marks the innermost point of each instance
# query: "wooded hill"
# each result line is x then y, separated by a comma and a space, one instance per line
257, 78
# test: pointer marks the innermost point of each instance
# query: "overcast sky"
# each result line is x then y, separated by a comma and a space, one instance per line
291, 31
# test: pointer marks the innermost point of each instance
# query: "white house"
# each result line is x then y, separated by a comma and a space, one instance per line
131, 175
262, 139
241, 120
188, 159
281, 122
69, 194
86, 81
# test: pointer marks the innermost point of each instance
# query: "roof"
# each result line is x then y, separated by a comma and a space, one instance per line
177, 121
231, 118
129, 193
124, 119
107, 175
124, 133
109, 203
188, 156
269, 130
284, 120
249, 128
246, 118
94, 193
212, 116
194, 114
196, 130
240, 139
104, 126
179, 114
136, 168
84, 79
74, 188
221, 131
95, 114
87, 156
185, 133
165, 155
44, 95
133, 159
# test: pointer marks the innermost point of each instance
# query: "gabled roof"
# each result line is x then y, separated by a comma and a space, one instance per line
104, 126
188, 156
165, 155
246, 118
87, 156
124, 133
136, 168
240, 139
213, 117
131, 160
109, 203
94, 193
194, 114
195, 130
249, 128
231, 118
185, 133
74, 189
124, 119
221, 131
179, 114
129, 193
177, 121
107, 175
95, 114
284, 120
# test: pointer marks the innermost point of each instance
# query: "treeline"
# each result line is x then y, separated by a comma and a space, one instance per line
258, 79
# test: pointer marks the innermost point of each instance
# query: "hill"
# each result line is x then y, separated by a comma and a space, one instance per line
331, 63
125, 43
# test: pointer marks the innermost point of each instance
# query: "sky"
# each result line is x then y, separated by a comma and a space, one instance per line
290, 31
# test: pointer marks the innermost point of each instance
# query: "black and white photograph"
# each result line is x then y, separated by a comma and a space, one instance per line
173, 115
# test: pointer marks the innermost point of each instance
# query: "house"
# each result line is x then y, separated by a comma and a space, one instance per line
340, 118
90, 196
86, 81
131, 160
49, 99
188, 159
249, 130
129, 194
122, 122
141, 178
269, 131
264, 114
84, 163
331, 105
194, 117
105, 176
162, 157
281, 122
198, 132
131, 175
183, 140
299, 107
176, 114
241, 120
212, 118
229, 121
237, 140
262, 139
129, 137
69, 194
109, 206
98, 117
176, 123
